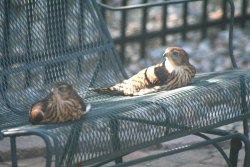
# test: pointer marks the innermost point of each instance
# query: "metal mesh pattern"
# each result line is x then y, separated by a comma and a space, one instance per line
48, 41
124, 124
43, 42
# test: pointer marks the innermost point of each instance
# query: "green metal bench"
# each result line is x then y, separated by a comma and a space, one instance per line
43, 42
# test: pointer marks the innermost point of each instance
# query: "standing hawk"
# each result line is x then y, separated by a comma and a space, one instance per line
174, 72
62, 104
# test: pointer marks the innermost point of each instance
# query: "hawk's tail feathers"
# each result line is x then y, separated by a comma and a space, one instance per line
116, 89
98, 90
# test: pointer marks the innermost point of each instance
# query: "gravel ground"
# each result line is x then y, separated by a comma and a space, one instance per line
209, 54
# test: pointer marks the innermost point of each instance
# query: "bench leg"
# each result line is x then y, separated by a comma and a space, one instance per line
247, 151
246, 128
234, 151
13, 151
114, 126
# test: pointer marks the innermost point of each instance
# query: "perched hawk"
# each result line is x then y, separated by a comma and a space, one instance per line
174, 72
62, 104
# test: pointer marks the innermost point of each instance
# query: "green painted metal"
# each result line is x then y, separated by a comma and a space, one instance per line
236, 145
13, 133
222, 152
179, 150
50, 41
13, 151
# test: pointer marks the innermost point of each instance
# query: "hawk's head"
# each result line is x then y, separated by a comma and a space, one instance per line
62, 90
176, 56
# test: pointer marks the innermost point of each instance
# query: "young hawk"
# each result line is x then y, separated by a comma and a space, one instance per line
62, 104
174, 72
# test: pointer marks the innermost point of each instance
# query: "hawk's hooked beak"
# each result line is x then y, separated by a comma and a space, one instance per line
164, 55
53, 89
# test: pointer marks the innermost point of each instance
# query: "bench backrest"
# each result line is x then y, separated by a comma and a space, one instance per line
46, 41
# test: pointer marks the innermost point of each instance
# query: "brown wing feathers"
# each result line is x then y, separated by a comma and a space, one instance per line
174, 72
62, 104
146, 78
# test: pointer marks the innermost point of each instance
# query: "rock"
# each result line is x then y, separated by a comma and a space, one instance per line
247, 48
157, 53
209, 54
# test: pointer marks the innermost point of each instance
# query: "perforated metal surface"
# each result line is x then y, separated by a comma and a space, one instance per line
48, 41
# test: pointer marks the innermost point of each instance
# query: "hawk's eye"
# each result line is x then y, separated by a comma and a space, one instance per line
175, 54
61, 88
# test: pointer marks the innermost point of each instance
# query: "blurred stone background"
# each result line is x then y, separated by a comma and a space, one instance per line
208, 54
